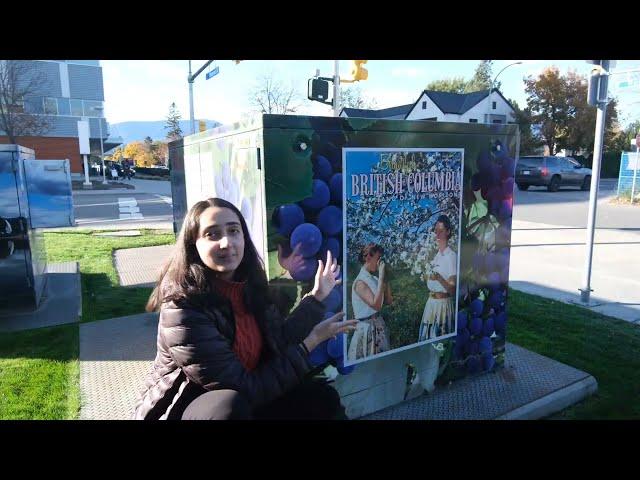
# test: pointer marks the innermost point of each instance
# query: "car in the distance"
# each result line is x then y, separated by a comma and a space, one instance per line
552, 172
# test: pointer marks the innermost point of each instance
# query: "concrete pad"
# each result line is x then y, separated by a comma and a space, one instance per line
116, 355
61, 302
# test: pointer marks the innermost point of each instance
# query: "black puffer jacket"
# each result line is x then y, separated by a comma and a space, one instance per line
195, 355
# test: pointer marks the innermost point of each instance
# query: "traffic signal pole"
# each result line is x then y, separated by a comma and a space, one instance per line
336, 88
597, 96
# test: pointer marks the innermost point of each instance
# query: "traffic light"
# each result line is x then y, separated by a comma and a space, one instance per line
358, 72
593, 87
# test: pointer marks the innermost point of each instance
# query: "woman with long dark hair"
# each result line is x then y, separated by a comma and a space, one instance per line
223, 349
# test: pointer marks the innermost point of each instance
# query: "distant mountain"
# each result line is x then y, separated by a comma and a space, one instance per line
137, 131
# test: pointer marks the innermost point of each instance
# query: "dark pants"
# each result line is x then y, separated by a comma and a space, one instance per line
312, 400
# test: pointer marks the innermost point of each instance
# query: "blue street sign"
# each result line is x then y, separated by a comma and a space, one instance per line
213, 73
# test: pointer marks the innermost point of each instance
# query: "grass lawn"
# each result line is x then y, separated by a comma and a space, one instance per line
605, 347
39, 370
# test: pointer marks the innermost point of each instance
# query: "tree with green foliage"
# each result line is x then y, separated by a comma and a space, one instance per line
529, 142
482, 78
174, 132
451, 85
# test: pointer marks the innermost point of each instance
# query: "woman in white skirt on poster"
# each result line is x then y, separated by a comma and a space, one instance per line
368, 294
439, 312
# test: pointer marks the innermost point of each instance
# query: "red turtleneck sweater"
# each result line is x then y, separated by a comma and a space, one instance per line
248, 340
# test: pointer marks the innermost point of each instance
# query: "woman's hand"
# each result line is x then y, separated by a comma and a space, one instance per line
381, 268
327, 329
326, 277
293, 261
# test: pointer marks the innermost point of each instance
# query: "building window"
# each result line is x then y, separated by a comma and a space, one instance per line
493, 105
473, 120
76, 107
89, 108
33, 105
63, 106
424, 105
50, 106
497, 121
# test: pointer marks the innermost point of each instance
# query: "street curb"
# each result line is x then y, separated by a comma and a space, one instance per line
554, 402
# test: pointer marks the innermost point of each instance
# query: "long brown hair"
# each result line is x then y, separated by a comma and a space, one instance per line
184, 277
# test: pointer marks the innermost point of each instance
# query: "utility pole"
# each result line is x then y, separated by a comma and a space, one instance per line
597, 96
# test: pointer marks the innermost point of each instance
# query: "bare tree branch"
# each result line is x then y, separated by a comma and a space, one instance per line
18, 81
271, 95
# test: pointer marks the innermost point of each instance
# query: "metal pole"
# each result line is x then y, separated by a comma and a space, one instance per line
86, 170
191, 122
104, 178
585, 291
635, 170
336, 88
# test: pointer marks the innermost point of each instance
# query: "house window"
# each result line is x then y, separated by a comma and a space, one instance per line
493, 105
473, 120
424, 105
497, 121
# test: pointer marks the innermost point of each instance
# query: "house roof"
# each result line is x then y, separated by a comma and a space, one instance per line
382, 113
457, 103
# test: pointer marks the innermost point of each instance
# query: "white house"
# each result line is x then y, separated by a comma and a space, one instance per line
474, 107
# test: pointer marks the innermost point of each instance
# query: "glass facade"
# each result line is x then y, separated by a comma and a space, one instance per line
63, 106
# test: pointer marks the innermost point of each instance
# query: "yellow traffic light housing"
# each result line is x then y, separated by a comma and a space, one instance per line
358, 72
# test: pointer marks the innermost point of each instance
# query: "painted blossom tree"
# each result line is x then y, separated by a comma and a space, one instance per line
403, 224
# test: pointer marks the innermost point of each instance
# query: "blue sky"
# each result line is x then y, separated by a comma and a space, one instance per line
144, 89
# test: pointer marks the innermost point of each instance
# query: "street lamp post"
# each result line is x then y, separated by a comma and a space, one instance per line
495, 79
190, 79
100, 109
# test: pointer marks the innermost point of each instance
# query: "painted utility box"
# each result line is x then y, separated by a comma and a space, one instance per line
417, 213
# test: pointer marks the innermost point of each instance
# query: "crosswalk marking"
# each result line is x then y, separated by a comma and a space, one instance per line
129, 209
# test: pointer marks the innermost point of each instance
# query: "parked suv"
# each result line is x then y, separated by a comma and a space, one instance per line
551, 172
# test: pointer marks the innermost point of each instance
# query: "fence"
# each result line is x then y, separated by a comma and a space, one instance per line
629, 177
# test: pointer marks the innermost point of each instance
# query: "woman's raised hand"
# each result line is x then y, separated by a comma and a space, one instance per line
329, 328
326, 277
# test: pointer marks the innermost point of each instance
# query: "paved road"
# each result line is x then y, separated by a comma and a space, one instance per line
570, 207
123, 208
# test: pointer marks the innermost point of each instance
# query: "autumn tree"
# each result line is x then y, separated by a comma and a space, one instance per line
558, 104
20, 82
172, 125
136, 152
271, 95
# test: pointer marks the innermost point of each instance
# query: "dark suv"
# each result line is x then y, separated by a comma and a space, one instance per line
551, 172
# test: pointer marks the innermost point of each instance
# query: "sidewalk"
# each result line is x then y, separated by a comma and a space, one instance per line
549, 260
154, 187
